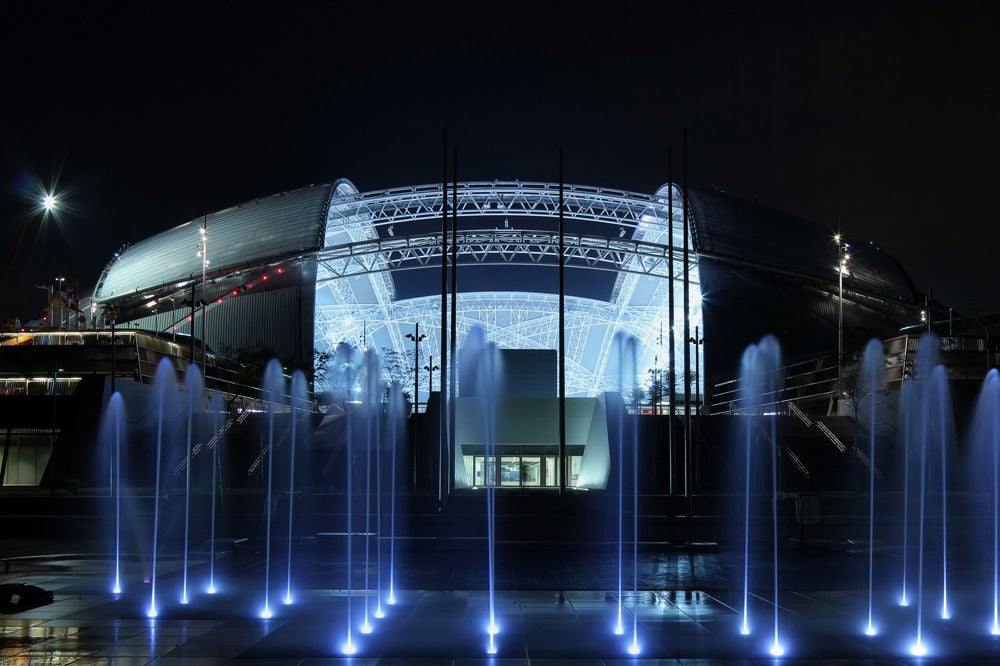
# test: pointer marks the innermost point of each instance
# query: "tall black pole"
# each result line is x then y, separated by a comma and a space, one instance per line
442, 423
454, 319
191, 330
687, 329
563, 461
114, 357
671, 366
416, 368
446, 361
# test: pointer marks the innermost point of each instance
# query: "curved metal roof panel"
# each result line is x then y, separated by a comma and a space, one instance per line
242, 235
732, 229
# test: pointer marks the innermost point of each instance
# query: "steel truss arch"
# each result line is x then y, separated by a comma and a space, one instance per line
371, 235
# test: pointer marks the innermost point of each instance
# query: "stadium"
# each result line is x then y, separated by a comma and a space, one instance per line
410, 271
302, 271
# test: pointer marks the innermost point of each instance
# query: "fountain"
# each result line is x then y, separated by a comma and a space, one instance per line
215, 403
396, 411
925, 435
110, 436
985, 476
274, 392
759, 386
870, 383
298, 404
195, 396
165, 388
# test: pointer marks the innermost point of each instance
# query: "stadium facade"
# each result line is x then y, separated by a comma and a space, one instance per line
297, 274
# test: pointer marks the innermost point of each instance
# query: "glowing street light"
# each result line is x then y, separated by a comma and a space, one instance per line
842, 258
49, 202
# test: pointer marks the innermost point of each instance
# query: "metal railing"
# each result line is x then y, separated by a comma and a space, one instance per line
810, 380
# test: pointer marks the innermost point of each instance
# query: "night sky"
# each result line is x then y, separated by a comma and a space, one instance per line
879, 117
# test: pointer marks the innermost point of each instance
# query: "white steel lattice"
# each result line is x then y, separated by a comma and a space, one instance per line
369, 235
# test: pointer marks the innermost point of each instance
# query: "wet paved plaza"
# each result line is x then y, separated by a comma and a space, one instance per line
553, 606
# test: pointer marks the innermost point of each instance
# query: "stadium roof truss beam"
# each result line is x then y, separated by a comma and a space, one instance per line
496, 247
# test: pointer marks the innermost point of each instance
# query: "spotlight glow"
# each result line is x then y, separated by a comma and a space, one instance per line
904, 602
996, 628
776, 649
633, 648
288, 600
366, 628
48, 202
211, 588
349, 647
619, 629
870, 630
745, 628
492, 629
945, 613
151, 612
184, 599
266, 613
918, 649
391, 600
492, 647
379, 613
117, 589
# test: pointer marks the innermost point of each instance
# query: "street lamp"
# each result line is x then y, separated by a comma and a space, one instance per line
49, 204
430, 368
203, 253
842, 258
416, 337
697, 341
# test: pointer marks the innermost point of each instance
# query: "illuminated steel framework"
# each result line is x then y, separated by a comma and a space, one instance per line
374, 235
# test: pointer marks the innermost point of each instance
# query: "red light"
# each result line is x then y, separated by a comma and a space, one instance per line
189, 317
263, 277
235, 292
45, 318
219, 301
250, 286
281, 270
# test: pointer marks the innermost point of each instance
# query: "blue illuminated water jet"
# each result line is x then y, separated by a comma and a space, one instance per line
871, 381
395, 417
344, 368
986, 473
163, 382
112, 422
274, 384
215, 443
195, 395
298, 400
480, 362
621, 344
373, 376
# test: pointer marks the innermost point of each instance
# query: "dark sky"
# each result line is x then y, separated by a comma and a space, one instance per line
877, 116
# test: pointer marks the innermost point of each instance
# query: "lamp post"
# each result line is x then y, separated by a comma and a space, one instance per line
203, 253
416, 337
696, 341
842, 258
430, 368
